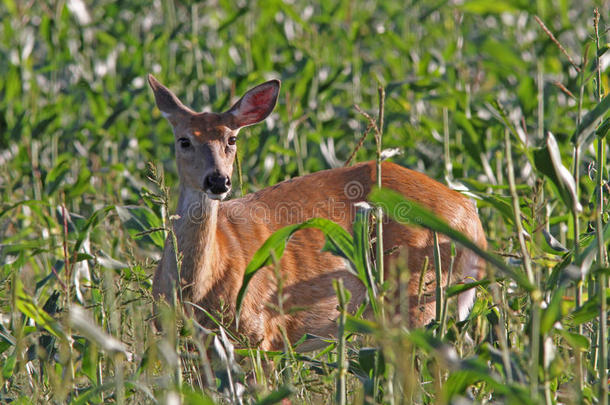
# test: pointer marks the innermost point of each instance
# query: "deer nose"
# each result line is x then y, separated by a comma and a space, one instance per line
217, 183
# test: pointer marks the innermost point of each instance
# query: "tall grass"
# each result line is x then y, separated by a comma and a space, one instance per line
506, 99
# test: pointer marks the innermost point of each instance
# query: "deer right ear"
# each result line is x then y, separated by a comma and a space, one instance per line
256, 104
171, 107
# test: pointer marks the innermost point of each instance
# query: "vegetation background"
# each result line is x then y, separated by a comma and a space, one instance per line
85, 154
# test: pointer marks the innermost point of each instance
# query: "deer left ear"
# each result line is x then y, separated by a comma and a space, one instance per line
171, 107
256, 104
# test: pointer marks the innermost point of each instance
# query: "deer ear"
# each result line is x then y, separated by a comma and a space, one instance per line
256, 104
171, 107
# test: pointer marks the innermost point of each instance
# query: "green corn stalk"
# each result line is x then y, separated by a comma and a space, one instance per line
439, 280
343, 296
602, 254
379, 212
535, 298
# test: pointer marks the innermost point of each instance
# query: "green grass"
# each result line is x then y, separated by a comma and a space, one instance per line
85, 159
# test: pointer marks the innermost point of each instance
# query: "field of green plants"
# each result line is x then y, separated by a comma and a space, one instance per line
504, 99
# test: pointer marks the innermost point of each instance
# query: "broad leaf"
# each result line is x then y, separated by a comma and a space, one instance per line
584, 133
26, 304
141, 221
552, 312
358, 325
338, 241
548, 161
394, 203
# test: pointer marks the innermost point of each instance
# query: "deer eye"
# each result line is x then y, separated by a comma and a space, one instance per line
184, 143
232, 140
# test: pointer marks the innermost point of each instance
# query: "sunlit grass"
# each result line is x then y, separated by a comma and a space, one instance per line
83, 216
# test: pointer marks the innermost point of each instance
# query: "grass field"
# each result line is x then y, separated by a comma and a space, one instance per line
505, 98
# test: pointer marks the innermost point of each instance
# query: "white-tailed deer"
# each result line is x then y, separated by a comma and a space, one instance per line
217, 239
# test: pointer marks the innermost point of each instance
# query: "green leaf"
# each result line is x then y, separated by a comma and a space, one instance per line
362, 246
358, 325
584, 133
586, 256
11, 7
547, 161
29, 203
192, 397
424, 340
503, 55
27, 306
56, 175
91, 223
9, 366
457, 289
552, 313
603, 128
82, 184
575, 340
603, 49
499, 109
338, 241
6, 340
254, 352
229, 21
277, 396
89, 362
371, 361
362, 259
588, 311
500, 203
473, 370
552, 245
141, 221
489, 7
563, 175
472, 138
394, 205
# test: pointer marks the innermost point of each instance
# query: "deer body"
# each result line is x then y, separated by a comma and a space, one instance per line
217, 239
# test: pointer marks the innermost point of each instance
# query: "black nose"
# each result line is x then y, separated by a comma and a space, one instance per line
217, 183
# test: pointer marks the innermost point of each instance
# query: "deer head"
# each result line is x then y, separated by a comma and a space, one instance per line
206, 142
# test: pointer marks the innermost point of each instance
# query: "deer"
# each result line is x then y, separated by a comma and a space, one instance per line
216, 237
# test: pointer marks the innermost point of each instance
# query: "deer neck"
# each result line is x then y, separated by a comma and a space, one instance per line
196, 236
